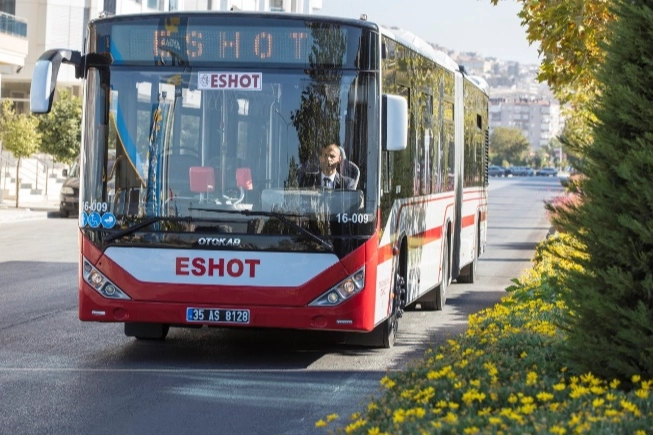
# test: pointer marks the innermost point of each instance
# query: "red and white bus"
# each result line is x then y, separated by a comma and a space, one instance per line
198, 131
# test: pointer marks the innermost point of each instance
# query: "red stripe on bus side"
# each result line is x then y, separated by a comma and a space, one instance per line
468, 221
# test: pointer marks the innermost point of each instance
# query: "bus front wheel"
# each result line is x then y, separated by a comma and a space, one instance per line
146, 331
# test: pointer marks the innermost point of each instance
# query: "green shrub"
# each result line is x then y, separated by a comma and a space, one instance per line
609, 323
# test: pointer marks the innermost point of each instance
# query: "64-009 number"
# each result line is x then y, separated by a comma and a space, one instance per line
216, 315
354, 218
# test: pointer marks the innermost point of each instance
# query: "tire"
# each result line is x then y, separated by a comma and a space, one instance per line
441, 293
385, 334
468, 273
147, 331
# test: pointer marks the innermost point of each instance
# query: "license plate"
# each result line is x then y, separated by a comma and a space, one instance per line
217, 315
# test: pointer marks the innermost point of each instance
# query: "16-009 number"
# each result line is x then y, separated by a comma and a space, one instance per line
95, 206
354, 218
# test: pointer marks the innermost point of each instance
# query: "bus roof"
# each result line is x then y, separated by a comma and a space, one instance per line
403, 37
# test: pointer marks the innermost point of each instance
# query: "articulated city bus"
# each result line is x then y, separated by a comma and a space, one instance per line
200, 132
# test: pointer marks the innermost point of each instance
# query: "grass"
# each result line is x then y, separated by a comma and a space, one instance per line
504, 375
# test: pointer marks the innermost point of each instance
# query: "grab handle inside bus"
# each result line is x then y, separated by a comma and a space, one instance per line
395, 123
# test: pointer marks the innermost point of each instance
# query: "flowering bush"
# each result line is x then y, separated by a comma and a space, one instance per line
561, 203
504, 376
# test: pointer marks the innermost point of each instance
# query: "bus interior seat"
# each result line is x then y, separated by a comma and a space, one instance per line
349, 168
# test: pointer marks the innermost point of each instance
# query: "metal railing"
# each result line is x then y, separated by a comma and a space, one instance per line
36, 174
12, 25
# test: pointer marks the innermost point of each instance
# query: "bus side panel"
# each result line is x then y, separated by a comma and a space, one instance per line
422, 220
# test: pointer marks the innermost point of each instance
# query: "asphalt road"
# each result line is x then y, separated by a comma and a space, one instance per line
61, 376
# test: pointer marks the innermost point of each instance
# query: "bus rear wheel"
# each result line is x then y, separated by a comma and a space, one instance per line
469, 272
441, 291
147, 331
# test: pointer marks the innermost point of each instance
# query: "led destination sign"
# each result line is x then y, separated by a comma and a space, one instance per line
175, 42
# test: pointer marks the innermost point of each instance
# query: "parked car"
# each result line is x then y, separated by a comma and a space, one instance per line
547, 172
69, 193
522, 171
496, 171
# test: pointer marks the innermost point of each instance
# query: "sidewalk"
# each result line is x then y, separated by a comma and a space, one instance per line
27, 210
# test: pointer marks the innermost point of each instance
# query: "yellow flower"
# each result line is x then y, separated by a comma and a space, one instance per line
471, 430
615, 383
578, 391
387, 382
320, 423
597, 403
523, 355
372, 406
399, 416
331, 417
641, 393
559, 387
451, 417
495, 420
631, 407
491, 369
355, 425
531, 378
544, 396
636, 378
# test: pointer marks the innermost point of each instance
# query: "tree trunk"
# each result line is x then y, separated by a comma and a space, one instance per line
17, 181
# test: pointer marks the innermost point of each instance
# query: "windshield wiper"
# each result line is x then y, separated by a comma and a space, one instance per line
138, 226
279, 216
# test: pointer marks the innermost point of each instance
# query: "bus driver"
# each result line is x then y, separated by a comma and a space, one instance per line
329, 177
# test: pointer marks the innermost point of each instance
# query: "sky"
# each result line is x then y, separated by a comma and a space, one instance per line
460, 25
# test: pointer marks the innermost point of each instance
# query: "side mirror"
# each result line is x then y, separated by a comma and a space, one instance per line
395, 123
44, 78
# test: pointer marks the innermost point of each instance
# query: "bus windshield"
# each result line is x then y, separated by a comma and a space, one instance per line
191, 142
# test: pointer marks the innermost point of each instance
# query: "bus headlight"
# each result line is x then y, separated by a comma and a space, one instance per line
344, 290
101, 283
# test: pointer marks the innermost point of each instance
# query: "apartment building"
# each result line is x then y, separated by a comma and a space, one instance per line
537, 117
13, 42
29, 28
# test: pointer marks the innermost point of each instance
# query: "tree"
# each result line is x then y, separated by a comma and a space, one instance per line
19, 135
508, 144
610, 325
571, 35
61, 128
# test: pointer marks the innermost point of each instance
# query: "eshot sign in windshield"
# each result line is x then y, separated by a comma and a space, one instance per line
243, 81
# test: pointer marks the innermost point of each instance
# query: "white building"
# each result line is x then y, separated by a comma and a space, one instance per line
39, 25
13, 43
538, 118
